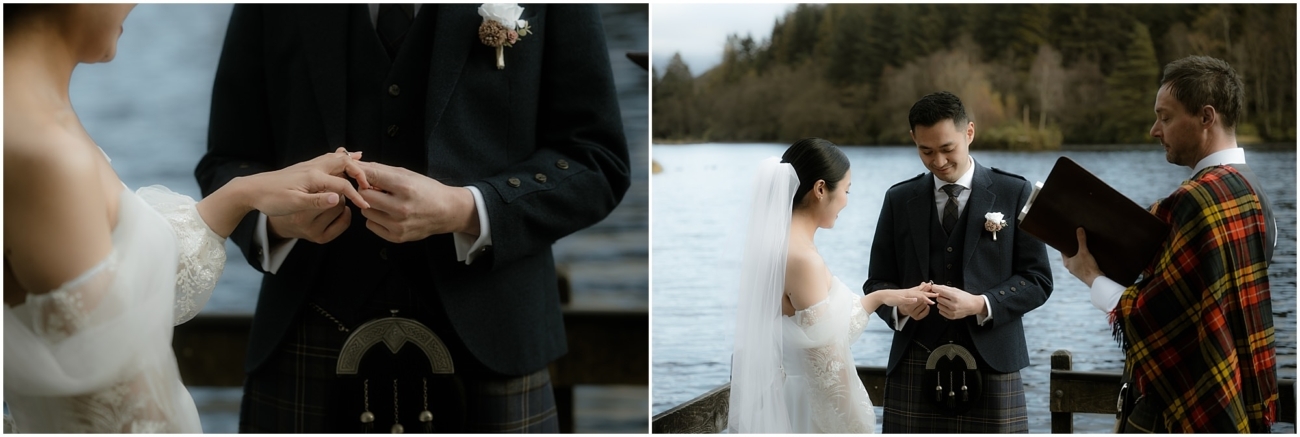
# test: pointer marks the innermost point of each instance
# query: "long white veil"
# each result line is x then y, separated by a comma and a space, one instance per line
757, 403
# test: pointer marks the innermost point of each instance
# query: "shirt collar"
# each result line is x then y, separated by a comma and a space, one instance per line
1235, 155
964, 180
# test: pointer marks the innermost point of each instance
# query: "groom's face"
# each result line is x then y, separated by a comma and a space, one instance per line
945, 149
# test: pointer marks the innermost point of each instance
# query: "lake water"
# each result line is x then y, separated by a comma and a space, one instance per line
148, 109
700, 202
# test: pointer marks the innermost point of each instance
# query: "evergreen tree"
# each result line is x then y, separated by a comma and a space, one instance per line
1131, 90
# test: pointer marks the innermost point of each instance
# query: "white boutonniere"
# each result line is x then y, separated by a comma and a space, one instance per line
501, 27
993, 222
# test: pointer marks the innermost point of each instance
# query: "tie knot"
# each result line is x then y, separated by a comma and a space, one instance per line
953, 190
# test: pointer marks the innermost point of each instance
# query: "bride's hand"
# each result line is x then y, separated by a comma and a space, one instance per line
911, 297
310, 185
912, 302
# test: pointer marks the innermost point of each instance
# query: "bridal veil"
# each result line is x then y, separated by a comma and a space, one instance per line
757, 403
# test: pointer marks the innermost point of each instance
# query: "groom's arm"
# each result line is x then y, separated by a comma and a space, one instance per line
581, 155
239, 132
1030, 283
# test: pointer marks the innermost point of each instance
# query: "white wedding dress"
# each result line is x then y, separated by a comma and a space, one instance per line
823, 393
95, 354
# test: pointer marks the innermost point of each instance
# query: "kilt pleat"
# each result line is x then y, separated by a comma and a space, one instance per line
908, 408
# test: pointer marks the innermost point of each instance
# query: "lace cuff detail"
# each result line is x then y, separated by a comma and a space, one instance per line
201, 252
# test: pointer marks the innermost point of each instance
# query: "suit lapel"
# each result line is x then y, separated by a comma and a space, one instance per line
980, 202
324, 30
455, 35
918, 208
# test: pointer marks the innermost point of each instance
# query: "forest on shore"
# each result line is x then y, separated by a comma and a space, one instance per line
1033, 76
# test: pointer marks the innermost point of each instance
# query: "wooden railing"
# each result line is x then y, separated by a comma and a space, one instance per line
1072, 393
605, 347
1097, 392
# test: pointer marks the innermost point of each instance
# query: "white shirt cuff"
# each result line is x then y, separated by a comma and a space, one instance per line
1106, 293
899, 323
273, 258
988, 308
469, 247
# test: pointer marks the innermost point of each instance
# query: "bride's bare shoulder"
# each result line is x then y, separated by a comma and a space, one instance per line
39, 153
52, 201
805, 277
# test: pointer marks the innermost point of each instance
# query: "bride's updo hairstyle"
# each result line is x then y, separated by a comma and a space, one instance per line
815, 159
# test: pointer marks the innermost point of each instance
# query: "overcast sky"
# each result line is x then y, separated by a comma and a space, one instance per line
699, 31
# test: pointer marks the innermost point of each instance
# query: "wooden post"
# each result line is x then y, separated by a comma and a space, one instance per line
564, 408
1062, 423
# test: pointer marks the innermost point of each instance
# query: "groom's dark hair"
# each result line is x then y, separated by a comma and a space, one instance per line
815, 159
937, 107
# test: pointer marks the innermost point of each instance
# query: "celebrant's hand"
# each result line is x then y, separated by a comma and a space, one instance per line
324, 224
1082, 265
408, 206
955, 303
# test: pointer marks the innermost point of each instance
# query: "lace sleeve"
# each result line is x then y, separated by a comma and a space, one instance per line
201, 252
839, 403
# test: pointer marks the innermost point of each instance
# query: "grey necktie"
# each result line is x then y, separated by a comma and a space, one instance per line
950, 209
392, 24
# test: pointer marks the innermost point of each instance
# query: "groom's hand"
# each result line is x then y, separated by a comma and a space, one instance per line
955, 303
319, 226
921, 308
408, 206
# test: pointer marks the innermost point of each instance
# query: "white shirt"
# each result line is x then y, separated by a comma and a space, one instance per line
940, 201
467, 246
1105, 292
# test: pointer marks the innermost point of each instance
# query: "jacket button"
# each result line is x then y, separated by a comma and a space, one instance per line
1022, 282
514, 182
950, 250
1013, 288
392, 130
540, 177
949, 266
1002, 292
562, 164
383, 253
394, 90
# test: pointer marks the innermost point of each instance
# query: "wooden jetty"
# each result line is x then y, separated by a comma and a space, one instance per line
1072, 392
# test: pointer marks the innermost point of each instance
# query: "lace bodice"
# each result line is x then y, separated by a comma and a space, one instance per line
95, 354
824, 393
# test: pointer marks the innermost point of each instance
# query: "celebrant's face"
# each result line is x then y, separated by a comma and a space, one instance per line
945, 149
1179, 131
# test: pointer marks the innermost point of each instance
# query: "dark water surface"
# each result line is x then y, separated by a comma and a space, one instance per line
148, 109
700, 217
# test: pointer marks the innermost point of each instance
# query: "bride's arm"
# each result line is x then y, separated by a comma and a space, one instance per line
56, 223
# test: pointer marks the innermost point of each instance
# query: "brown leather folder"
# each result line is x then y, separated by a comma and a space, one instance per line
1122, 236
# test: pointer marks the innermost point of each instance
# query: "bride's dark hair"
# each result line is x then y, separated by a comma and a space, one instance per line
815, 159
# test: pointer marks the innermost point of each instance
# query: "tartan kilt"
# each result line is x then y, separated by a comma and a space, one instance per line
909, 407
296, 390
